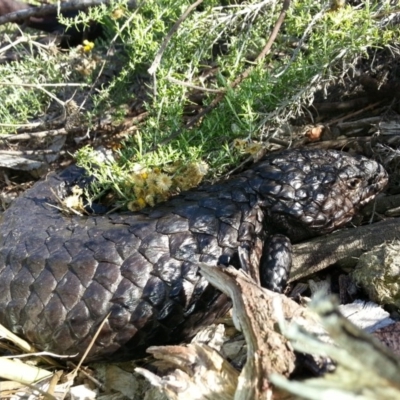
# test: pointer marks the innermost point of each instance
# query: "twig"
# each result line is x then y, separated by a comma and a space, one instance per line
100, 385
360, 123
239, 79
34, 135
341, 105
157, 58
78, 367
32, 125
21, 39
44, 84
189, 85
30, 152
49, 9
40, 87
22, 344
351, 115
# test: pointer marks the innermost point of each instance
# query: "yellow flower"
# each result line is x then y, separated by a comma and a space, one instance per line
141, 202
74, 201
139, 191
202, 167
152, 188
151, 178
163, 182
239, 144
117, 13
253, 148
87, 46
136, 205
162, 197
182, 183
150, 200
193, 174
136, 180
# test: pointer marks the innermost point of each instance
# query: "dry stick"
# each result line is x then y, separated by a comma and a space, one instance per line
33, 135
98, 384
21, 39
45, 10
32, 125
55, 98
27, 152
35, 85
355, 113
166, 40
78, 367
239, 79
191, 86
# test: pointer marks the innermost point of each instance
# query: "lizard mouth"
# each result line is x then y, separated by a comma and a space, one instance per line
381, 181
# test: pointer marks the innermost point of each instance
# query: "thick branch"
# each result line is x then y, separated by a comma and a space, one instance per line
317, 254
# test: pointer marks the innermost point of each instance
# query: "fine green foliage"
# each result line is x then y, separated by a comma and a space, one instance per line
210, 49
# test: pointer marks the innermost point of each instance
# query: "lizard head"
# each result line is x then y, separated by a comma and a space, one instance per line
316, 191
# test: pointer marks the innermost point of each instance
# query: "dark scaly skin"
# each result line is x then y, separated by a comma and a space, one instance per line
61, 275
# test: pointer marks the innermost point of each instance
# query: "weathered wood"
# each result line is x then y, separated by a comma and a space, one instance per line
257, 312
317, 254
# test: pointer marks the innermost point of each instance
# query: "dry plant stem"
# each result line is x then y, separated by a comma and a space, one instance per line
53, 382
34, 85
48, 9
21, 39
27, 126
37, 86
360, 123
341, 105
157, 59
352, 115
189, 85
81, 361
30, 152
21, 372
21, 344
91, 378
239, 79
33, 135
340, 144
43, 355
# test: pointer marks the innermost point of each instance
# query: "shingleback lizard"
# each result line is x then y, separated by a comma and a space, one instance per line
60, 275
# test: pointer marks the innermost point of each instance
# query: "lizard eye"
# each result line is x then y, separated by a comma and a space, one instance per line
354, 183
